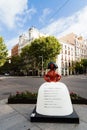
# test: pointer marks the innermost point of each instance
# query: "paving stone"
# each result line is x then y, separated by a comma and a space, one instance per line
16, 117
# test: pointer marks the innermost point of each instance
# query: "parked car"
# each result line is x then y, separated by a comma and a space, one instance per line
6, 74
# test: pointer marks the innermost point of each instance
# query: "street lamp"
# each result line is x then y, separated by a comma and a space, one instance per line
42, 63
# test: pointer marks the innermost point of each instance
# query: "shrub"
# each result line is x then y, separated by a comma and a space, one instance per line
74, 96
23, 95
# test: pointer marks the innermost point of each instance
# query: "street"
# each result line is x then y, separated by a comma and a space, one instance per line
8, 84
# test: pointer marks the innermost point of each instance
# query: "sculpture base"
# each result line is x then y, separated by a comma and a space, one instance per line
72, 118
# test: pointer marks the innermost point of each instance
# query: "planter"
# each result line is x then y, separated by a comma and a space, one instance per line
33, 101
22, 101
31, 98
79, 101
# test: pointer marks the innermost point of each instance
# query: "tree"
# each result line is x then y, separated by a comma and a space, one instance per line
5, 68
27, 59
84, 64
15, 65
78, 67
48, 47
3, 52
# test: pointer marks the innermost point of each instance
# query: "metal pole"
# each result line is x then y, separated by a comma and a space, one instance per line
42, 64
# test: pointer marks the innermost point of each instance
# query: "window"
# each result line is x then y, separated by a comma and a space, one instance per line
65, 51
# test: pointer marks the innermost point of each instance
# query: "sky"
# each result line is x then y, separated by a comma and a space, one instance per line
53, 17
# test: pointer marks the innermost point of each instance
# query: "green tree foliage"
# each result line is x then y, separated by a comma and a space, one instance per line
78, 67
81, 66
5, 68
84, 64
3, 52
27, 59
15, 65
48, 47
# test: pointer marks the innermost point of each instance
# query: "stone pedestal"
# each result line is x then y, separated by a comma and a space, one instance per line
54, 104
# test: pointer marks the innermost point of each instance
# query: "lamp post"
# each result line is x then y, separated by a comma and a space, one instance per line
42, 63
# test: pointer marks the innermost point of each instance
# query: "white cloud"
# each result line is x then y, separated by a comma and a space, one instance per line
11, 43
12, 10
45, 13
30, 12
26, 15
76, 23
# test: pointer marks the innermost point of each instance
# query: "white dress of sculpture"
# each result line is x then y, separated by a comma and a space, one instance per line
54, 99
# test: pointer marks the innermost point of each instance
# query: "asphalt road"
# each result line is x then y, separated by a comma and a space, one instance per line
77, 84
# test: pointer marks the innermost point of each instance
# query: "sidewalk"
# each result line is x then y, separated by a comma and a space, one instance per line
16, 117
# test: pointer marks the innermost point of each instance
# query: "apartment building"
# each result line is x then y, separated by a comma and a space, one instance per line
80, 48
14, 50
32, 34
23, 41
66, 58
73, 49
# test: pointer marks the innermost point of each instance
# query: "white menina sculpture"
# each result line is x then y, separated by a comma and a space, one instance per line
54, 100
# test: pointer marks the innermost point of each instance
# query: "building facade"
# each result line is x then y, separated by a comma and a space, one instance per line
14, 50
80, 48
73, 49
24, 40
66, 58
